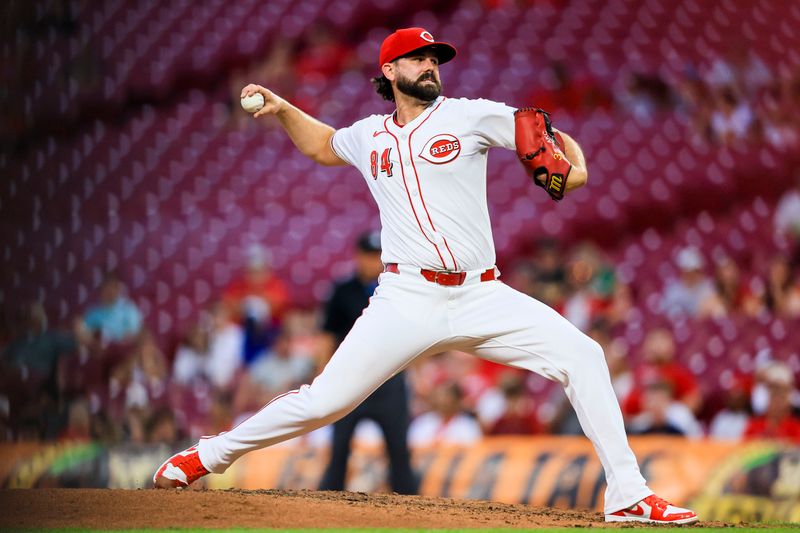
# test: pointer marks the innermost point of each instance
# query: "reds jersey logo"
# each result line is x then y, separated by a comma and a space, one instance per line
441, 149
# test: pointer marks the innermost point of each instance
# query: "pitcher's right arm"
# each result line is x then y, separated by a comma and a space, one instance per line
309, 135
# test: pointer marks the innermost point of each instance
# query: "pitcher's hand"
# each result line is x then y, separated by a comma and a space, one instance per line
272, 102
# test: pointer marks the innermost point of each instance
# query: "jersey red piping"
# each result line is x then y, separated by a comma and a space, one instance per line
278, 397
421, 197
410, 202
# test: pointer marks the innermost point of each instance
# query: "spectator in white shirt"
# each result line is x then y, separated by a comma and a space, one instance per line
212, 353
731, 422
687, 294
447, 423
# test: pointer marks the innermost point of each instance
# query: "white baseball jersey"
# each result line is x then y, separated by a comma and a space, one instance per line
429, 180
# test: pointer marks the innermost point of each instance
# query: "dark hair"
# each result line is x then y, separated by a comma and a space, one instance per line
384, 87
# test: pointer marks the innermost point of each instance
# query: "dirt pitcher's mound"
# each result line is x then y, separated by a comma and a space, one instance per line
116, 509
112, 509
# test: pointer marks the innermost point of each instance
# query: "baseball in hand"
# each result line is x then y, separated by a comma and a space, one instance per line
253, 103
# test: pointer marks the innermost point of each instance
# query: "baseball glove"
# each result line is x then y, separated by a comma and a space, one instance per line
541, 151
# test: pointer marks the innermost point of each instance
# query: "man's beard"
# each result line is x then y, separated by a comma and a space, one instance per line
418, 90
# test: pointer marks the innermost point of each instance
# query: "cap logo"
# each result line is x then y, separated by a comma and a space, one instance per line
426, 35
441, 149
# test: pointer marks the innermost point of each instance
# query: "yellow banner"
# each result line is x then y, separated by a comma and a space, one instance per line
751, 482
724, 481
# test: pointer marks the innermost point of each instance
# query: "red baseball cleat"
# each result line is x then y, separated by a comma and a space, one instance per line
180, 470
654, 510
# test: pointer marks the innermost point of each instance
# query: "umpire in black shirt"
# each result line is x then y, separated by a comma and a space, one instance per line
388, 406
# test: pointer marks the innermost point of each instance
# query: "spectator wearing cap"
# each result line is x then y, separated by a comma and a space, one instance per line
687, 294
388, 405
779, 420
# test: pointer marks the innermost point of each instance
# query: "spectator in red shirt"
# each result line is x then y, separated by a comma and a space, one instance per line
778, 422
258, 292
257, 301
660, 366
513, 411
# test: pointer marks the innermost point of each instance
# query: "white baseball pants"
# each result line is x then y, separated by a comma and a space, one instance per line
409, 316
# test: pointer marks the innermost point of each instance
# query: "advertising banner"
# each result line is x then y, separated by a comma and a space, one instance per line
755, 481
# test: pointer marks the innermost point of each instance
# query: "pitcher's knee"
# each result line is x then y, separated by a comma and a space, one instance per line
591, 359
595, 354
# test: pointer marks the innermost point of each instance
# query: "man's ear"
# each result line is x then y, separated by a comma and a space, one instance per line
388, 71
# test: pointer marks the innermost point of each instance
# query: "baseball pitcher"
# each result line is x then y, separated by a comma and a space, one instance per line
425, 165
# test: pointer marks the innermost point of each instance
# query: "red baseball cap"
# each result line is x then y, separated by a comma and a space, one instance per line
408, 40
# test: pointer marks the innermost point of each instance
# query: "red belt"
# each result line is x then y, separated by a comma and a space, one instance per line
449, 279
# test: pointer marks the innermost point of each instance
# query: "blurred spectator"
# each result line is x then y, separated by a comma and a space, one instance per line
140, 381
751, 72
104, 428
279, 370
558, 90
621, 304
719, 74
779, 126
447, 423
257, 300
778, 421
787, 218
591, 283
616, 353
662, 415
388, 405
114, 318
730, 423
220, 417
783, 288
29, 367
211, 351
687, 294
731, 294
548, 262
161, 427
645, 94
659, 366
79, 426
134, 425
509, 409
695, 104
191, 357
547, 274
474, 376
323, 55
733, 117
